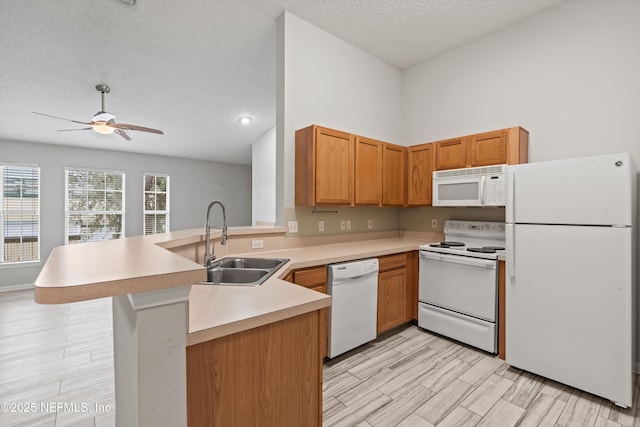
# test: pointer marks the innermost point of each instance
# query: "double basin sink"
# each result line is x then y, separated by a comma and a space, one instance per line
232, 271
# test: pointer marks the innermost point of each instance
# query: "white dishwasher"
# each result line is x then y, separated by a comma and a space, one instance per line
353, 287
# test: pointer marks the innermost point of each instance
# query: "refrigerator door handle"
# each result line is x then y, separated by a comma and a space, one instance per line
510, 199
510, 231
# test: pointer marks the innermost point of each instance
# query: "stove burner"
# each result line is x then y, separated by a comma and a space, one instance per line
486, 249
447, 244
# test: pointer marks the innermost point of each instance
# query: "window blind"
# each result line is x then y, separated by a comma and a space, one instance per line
20, 213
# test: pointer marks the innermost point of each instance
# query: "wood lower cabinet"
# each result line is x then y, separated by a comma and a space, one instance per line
396, 284
324, 167
420, 167
314, 278
270, 376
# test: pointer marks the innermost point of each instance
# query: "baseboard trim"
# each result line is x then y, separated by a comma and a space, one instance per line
20, 287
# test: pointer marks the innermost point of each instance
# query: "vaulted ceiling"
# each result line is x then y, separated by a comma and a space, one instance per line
193, 67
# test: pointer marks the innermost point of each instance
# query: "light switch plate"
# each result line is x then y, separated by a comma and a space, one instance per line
257, 244
321, 225
292, 226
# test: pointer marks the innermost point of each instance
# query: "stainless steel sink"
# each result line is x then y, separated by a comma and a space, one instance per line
265, 263
235, 271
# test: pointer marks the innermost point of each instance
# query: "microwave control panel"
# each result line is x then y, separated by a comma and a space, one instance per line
495, 190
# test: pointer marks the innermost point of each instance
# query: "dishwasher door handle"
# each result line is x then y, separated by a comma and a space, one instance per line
346, 281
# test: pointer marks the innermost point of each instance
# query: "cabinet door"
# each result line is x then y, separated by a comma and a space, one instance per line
450, 154
393, 175
420, 164
392, 299
322, 323
489, 148
315, 278
333, 167
368, 171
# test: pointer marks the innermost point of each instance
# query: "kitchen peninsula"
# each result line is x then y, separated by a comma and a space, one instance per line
173, 337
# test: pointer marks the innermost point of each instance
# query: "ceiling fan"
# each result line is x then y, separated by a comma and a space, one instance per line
104, 123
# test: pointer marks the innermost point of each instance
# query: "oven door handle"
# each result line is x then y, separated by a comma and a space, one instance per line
456, 259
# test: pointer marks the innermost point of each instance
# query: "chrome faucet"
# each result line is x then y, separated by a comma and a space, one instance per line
208, 253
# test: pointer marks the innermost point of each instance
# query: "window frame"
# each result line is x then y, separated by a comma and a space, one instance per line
166, 211
67, 212
32, 262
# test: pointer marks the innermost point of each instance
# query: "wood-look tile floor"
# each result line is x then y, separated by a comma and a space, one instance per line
58, 355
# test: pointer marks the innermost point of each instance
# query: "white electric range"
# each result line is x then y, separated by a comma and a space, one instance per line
459, 280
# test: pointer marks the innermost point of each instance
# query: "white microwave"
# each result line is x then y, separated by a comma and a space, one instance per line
482, 186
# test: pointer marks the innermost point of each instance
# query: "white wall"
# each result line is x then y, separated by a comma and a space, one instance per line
569, 75
193, 185
325, 81
263, 178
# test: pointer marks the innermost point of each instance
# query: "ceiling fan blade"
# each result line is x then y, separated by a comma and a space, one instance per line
123, 134
61, 118
69, 130
134, 127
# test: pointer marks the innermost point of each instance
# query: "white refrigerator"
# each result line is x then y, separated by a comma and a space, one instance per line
571, 272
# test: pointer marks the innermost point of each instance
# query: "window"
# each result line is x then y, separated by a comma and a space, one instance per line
156, 203
19, 213
94, 203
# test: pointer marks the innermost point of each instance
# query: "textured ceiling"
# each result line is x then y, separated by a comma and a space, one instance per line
193, 67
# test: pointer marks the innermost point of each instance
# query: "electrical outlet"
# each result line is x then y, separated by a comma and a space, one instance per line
348, 224
370, 224
321, 225
293, 226
343, 225
257, 244
434, 223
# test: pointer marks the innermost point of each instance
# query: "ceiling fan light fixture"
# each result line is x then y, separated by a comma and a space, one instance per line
245, 120
101, 127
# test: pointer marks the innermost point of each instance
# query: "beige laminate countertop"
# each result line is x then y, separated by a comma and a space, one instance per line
142, 263
216, 311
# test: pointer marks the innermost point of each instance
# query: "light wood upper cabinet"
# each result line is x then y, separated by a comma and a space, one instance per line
503, 146
368, 171
450, 154
420, 166
393, 175
489, 148
324, 167
337, 168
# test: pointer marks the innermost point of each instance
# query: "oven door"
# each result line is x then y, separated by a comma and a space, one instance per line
458, 191
459, 283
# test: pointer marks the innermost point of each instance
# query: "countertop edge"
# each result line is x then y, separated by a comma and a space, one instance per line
241, 325
90, 291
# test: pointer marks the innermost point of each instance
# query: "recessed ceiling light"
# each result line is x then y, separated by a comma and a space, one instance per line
245, 120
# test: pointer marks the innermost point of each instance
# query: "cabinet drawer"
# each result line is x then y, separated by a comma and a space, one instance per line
311, 277
391, 262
